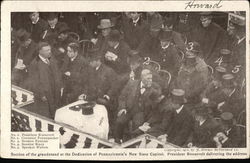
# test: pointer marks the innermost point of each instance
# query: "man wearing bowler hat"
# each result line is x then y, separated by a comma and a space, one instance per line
192, 76
167, 54
204, 129
176, 124
215, 83
117, 53
100, 42
100, 82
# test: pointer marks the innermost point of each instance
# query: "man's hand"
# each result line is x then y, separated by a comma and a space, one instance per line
94, 40
67, 73
61, 50
110, 56
44, 99
121, 112
205, 100
106, 97
82, 97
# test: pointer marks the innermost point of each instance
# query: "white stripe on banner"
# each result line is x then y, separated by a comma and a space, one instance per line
44, 126
65, 138
32, 123
94, 143
81, 141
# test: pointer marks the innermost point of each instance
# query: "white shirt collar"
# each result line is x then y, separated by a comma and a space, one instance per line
45, 60
116, 46
180, 109
240, 40
232, 92
136, 21
97, 68
34, 22
202, 122
72, 59
165, 47
228, 131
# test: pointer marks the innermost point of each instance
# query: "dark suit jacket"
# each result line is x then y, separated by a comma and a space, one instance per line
202, 136
169, 59
74, 84
120, 66
129, 96
100, 82
45, 80
234, 138
134, 35
211, 39
27, 54
179, 126
37, 30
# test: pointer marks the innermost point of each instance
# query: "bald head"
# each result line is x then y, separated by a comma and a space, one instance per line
146, 77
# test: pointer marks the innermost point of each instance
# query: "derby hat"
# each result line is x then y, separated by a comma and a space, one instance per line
105, 23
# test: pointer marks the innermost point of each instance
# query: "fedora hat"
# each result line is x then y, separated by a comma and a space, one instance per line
105, 23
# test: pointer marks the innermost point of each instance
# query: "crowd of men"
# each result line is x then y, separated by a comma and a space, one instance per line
177, 76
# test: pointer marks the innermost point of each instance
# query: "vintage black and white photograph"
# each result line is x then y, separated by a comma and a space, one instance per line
130, 79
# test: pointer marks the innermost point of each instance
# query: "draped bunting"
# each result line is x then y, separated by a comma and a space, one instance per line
23, 120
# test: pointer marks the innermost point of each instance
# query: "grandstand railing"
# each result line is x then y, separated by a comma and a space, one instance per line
70, 137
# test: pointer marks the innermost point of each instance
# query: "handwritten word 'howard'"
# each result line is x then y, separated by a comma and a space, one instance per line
193, 4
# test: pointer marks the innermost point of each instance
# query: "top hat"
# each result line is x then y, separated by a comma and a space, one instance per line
114, 35
221, 69
228, 80
105, 23
190, 57
87, 108
177, 96
52, 16
165, 36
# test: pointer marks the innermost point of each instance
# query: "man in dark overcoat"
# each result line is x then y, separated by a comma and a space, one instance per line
44, 80
74, 74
